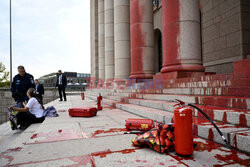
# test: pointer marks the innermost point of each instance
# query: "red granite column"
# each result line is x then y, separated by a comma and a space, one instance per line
142, 39
181, 36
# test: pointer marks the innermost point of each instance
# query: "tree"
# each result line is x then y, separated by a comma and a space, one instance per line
4, 76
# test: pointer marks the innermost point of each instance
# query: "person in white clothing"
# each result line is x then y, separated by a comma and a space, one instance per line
32, 111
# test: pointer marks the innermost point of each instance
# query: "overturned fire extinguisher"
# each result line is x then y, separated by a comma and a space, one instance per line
99, 102
183, 128
139, 124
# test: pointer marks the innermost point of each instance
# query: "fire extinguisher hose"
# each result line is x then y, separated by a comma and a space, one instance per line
216, 127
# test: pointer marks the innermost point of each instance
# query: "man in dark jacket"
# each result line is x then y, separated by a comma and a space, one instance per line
61, 83
39, 90
20, 85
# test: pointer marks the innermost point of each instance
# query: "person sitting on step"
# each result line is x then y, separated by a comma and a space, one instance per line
31, 113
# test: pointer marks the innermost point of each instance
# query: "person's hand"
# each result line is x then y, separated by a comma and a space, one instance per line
24, 104
11, 107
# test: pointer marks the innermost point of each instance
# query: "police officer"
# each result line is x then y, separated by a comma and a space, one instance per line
20, 85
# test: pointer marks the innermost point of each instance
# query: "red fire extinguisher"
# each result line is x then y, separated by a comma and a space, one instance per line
82, 95
139, 124
99, 102
183, 130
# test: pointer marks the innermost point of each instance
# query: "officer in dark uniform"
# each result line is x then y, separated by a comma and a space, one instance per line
20, 85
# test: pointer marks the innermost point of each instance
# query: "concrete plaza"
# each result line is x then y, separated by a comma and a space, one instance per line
98, 141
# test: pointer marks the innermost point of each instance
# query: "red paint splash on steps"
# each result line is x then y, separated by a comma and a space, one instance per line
211, 134
243, 120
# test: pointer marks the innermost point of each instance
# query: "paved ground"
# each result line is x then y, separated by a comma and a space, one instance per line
97, 141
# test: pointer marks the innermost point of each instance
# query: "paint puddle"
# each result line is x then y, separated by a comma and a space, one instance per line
58, 135
103, 154
98, 133
9, 158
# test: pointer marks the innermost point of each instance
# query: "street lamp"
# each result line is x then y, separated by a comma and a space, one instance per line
10, 46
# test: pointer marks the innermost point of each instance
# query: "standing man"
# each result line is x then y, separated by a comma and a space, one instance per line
39, 90
61, 83
20, 85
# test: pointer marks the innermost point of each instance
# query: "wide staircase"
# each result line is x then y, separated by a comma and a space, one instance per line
224, 97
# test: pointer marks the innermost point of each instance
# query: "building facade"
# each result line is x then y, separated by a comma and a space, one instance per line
73, 79
144, 39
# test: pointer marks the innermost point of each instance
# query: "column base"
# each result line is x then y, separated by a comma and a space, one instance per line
177, 74
141, 76
183, 67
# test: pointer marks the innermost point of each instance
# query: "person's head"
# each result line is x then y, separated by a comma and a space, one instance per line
59, 72
21, 70
36, 81
31, 92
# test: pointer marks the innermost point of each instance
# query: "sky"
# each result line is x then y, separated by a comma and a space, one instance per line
47, 35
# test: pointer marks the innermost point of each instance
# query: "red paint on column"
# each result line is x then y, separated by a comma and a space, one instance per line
138, 38
171, 32
171, 10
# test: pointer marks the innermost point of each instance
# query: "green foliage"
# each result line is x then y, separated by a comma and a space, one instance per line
4, 76
5, 84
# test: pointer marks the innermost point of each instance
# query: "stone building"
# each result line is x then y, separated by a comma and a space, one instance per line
197, 51
148, 38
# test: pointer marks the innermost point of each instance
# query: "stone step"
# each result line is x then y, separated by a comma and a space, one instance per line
219, 101
216, 91
10, 139
225, 115
237, 136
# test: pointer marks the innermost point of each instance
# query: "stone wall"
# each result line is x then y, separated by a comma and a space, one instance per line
6, 100
221, 34
245, 17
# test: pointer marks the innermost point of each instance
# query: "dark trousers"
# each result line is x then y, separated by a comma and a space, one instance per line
61, 89
26, 119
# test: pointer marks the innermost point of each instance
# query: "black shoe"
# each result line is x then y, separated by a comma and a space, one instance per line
65, 99
23, 127
60, 100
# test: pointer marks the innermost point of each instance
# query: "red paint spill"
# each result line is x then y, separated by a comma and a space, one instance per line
58, 135
15, 149
235, 141
162, 164
8, 157
211, 134
243, 120
113, 130
82, 161
33, 136
103, 154
224, 119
